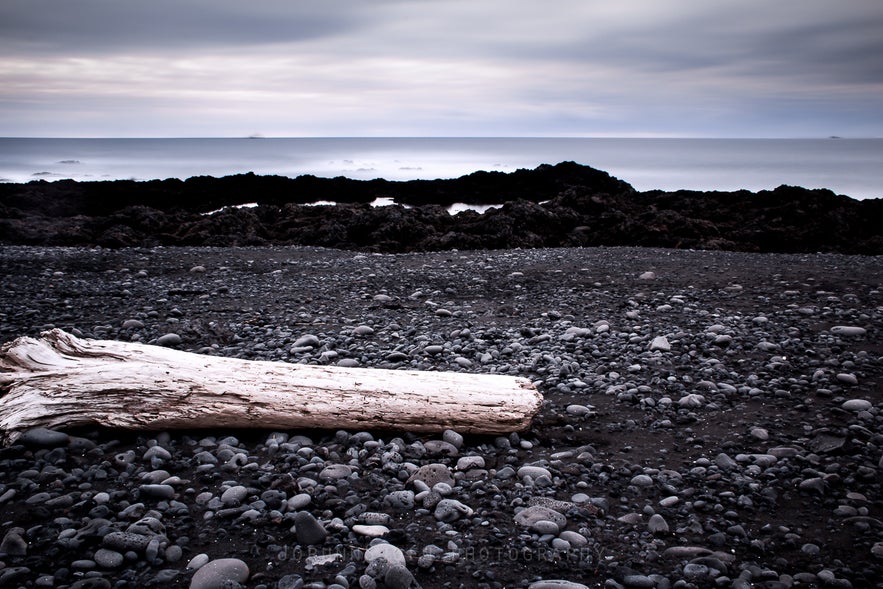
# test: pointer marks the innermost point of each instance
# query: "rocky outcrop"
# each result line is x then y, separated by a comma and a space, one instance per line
550, 206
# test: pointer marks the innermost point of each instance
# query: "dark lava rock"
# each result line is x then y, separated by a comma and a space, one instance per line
564, 205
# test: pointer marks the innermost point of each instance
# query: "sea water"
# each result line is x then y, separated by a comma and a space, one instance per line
853, 167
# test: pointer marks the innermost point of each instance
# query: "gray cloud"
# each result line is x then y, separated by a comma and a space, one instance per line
109, 26
442, 67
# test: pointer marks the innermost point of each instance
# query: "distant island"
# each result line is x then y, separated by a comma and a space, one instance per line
563, 205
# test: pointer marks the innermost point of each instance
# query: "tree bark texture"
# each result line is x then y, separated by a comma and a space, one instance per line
62, 381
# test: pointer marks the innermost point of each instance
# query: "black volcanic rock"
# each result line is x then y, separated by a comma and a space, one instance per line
551, 206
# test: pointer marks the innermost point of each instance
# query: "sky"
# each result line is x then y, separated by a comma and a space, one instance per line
346, 68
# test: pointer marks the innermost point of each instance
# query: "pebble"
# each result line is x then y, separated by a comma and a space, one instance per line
393, 555
847, 378
431, 474
857, 405
234, 495
335, 471
371, 531
449, 510
556, 584
534, 472
217, 574
308, 529
109, 559
661, 344
398, 577
657, 524
169, 339
44, 438
529, 516
848, 330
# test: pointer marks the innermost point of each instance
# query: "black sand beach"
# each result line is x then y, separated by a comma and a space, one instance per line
709, 422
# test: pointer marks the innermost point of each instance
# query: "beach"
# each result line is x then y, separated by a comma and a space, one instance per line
711, 418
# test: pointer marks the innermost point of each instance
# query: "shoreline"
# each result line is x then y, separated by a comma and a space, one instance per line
565, 205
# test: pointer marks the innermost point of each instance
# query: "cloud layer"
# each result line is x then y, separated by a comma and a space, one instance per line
441, 67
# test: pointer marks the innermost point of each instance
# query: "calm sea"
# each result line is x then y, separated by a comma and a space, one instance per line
847, 166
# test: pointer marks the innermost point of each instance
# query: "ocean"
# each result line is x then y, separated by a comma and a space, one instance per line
853, 167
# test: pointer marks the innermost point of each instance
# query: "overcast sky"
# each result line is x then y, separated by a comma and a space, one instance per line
715, 68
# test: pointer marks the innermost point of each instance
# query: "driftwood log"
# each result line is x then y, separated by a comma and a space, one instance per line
62, 381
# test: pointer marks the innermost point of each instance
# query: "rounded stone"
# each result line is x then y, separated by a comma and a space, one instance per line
431, 474
216, 573
169, 339
42, 437
449, 510
109, 559
393, 555
857, 405
335, 471
234, 495
529, 516
308, 529
533, 472
556, 584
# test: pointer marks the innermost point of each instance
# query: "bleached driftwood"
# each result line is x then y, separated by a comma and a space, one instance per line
63, 381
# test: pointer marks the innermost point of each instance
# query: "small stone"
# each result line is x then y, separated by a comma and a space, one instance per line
308, 529
108, 559
647, 275
691, 401
392, 554
847, 378
234, 495
528, 516
216, 573
579, 410
760, 433
307, 341
440, 448
857, 405
398, 577
556, 584
848, 330
335, 471
638, 581
470, 462
371, 531
661, 344
431, 474
363, 330
44, 438
169, 339
534, 472
545, 526
13, 544
657, 524
453, 438
157, 491
641, 480
449, 510
198, 561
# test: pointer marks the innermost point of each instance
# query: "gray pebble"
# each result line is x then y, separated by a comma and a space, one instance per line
234, 495
308, 529
215, 573
169, 339
449, 510
108, 559
531, 515
398, 577
43, 438
392, 554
